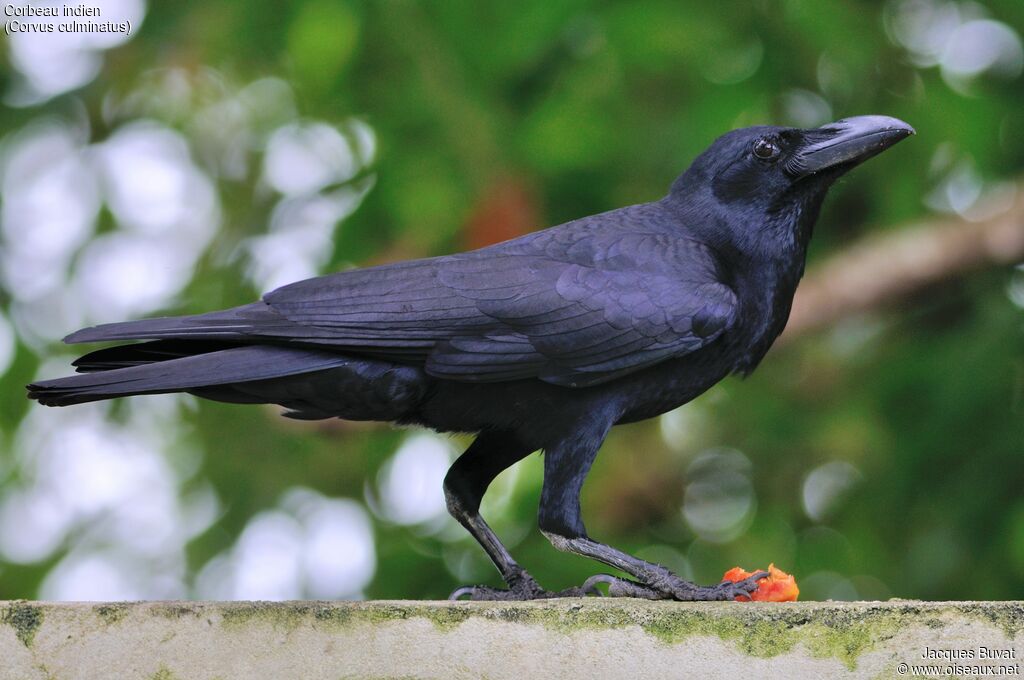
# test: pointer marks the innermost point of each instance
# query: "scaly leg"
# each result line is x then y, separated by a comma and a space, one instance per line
565, 468
464, 487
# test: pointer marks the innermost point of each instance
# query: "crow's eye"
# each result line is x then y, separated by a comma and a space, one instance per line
766, 149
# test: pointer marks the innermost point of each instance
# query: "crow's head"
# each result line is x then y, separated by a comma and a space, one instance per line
758, 163
777, 173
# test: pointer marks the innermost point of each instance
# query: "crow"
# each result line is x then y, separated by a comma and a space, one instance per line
543, 342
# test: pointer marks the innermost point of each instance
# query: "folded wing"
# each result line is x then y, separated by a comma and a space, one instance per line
568, 308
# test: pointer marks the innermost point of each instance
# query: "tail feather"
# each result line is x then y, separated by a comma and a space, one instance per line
218, 367
227, 324
123, 356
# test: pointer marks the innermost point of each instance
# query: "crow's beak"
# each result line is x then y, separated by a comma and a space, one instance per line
846, 142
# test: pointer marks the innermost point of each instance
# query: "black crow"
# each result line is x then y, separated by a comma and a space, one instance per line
542, 342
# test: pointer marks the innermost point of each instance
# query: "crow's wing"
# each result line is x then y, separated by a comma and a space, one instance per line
567, 309
575, 305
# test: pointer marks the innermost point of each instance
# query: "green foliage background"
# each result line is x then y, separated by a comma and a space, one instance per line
493, 117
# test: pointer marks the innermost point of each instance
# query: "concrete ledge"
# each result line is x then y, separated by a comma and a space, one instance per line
568, 638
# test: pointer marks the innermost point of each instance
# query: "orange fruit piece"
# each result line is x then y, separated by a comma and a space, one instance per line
778, 586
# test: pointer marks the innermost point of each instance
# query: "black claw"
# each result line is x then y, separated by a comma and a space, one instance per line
731, 590
521, 591
464, 590
582, 591
620, 587
757, 576
589, 586
591, 583
480, 593
751, 583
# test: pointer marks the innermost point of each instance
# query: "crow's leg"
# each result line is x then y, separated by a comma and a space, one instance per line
464, 487
565, 467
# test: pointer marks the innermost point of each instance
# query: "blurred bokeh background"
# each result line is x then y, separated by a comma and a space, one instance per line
220, 149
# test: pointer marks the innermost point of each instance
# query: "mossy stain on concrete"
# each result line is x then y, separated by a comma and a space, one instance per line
163, 674
757, 630
1009, 616
25, 619
290, 615
827, 630
179, 610
112, 612
842, 631
284, 615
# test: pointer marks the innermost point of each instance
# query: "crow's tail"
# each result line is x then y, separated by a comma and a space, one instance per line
176, 366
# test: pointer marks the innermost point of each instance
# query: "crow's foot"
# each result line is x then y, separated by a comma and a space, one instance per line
671, 587
523, 588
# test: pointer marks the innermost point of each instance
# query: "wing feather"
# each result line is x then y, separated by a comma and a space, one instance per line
575, 305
